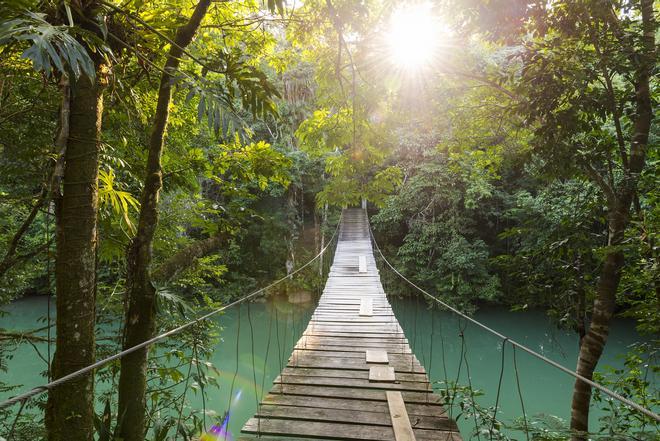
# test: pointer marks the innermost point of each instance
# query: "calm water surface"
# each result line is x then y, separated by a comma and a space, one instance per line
545, 389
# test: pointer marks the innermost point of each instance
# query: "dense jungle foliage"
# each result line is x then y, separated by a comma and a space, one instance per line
160, 158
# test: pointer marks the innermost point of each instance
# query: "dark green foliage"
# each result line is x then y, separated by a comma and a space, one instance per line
439, 243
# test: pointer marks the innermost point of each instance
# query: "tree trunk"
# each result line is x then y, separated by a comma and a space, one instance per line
140, 320
618, 218
593, 343
70, 408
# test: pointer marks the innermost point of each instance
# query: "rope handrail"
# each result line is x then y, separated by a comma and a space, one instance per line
605, 390
43, 388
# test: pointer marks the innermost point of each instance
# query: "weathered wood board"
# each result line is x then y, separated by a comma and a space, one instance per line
382, 374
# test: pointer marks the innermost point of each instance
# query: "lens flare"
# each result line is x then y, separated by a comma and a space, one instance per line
218, 432
412, 36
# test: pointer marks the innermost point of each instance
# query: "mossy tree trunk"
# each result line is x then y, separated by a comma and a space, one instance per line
70, 408
140, 320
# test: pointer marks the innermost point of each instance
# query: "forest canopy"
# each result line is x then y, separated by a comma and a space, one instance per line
160, 158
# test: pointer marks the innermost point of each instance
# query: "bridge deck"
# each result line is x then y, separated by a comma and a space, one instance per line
338, 383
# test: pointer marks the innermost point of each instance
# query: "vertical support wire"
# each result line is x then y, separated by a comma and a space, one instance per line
444, 356
414, 345
279, 349
185, 391
263, 377
294, 329
421, 343
499, 389
285, 361
233, 381
460, 366
254, 369
431, 353
472, 400
201, 385
522, 402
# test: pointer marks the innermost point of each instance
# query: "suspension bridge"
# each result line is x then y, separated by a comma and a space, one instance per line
352, 374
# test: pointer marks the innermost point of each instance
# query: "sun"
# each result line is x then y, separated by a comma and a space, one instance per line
412, 36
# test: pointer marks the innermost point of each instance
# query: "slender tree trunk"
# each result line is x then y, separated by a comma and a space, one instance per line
618, 218
70, 409
11, 257
593, 342
140, 322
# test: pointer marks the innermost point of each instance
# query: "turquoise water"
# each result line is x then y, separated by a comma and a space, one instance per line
545, 389
276, 319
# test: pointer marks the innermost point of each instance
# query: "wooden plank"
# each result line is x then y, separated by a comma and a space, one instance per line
328, 347
318, 429
400, 422
355, 383
381, 374
349, 404
366, 308
302, 360
376, 356
350, 341
346, 373
354, 394
362, 264
333, 430
348, 416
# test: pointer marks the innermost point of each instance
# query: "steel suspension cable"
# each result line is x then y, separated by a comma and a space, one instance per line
444, 358
458, 370
202, 384
66, 378
233, 380
279, 348
431, 352
254, 369
499, 390
470, 388
522, 402
185, 391
263, 376
649, 413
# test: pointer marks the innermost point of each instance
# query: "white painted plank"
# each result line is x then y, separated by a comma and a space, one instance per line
362, 260
377, 356
366, 307
382, 374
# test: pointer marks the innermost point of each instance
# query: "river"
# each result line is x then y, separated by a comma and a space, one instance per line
545, 389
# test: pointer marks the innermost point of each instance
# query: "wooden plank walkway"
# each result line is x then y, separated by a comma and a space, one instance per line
352, 375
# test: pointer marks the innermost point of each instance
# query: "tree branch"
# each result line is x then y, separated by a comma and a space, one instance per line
185, 258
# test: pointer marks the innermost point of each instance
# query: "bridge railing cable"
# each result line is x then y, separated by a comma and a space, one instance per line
22, 398
649, 413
